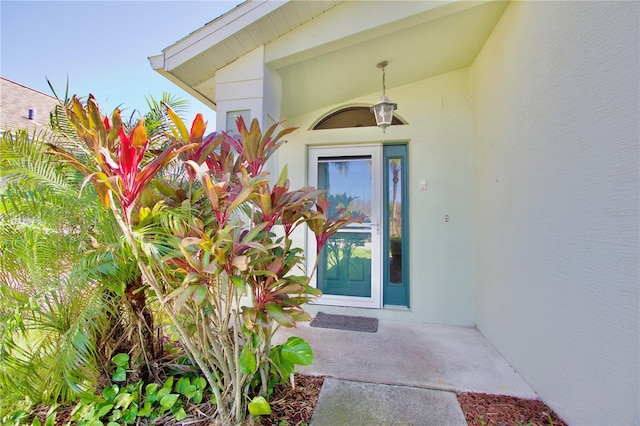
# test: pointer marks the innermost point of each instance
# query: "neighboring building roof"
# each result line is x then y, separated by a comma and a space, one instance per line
16, 102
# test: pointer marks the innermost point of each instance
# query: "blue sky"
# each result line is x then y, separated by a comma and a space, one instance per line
102, 46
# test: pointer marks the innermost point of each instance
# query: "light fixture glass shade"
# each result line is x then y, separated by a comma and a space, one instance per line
383, 111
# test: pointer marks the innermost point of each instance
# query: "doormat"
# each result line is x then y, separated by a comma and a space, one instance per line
345, 322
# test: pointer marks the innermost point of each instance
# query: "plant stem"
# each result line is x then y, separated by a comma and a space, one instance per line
186, 340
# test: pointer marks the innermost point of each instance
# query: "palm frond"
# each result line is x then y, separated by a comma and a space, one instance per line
55, 357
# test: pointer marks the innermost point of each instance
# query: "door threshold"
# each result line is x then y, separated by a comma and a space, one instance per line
396, 307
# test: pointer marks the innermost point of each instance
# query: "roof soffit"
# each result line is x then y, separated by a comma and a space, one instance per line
344, 26
199, 55
326, 51
419, 46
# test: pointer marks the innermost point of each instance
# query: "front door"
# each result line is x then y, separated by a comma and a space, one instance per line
349, 266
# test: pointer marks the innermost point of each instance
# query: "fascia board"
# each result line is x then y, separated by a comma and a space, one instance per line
217, 31
190, 90
157, 62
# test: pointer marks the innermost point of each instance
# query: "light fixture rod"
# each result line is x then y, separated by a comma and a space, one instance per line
382, 65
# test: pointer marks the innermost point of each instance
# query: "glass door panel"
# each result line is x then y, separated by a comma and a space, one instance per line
349, 266
396, 233
346, 265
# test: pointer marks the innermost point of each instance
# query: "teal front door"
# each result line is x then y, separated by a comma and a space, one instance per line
349, 266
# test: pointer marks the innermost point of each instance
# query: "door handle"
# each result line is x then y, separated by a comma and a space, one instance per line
377, 227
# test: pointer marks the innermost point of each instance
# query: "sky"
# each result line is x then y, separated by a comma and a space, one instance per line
102, 47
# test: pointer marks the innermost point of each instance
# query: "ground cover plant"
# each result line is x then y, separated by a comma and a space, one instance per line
200, 249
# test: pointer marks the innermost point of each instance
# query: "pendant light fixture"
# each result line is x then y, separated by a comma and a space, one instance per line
383, 109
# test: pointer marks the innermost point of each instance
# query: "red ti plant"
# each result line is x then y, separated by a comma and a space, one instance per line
118, 156
324, 226
254, 147
243, 265
230, 274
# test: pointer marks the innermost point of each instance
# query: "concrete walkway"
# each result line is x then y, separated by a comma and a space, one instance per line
404, 374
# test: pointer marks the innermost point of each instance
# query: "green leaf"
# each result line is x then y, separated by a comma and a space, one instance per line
239, 282
51, 419
145, 411
259, 406
36, 422
163, 392
164, 188
121, 360
103, 409
113, 424
247, 360
190, 391
284, 367
185, 293
192, 277
180, 414
143, 214
182, 384
130, 415
200, 383
282, 180
152, 389
278, 314
297, 351
253, 233
179, 124
197, 397
168, 401
200, 294
120, 375
123, 400
115, 415
168, 384
110, 393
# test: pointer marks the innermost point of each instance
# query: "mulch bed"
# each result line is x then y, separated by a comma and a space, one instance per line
482, 409
294, 406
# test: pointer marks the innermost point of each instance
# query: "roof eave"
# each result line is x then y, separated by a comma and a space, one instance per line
157, 63
218, 30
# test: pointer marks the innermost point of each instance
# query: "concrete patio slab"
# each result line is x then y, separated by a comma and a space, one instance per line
437, 357
358, 404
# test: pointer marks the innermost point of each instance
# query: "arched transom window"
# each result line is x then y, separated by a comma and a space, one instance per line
357, 116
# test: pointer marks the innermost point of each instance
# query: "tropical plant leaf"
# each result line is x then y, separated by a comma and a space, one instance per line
259, 406
297, 351
247, 360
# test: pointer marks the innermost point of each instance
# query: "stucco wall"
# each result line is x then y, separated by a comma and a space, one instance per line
241, 85
556, 148
438, 111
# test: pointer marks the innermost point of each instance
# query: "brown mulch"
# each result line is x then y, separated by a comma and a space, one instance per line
294, 405
481, 409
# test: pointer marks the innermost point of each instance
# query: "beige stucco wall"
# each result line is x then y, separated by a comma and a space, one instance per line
439, 138
556, 147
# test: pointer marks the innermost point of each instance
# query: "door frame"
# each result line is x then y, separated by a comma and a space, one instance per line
375, 151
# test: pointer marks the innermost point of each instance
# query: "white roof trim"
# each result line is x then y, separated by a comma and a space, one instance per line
220, 29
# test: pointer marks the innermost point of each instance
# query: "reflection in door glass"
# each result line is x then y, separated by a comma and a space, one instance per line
348, 184
395, 220
345, 261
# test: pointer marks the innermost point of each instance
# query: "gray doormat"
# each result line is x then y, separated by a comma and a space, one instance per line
345, 322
